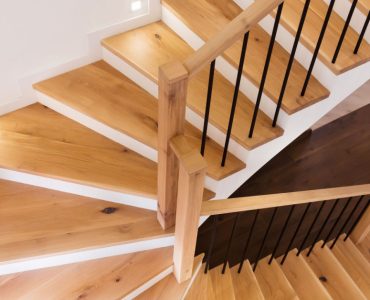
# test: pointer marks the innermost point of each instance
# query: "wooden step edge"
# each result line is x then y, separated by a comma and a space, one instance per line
328, 255
168, 288
245, 282
354, 263
364, 247
222, 284
201, 287
307, 287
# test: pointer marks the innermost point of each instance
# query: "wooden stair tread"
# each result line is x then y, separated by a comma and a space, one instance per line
245, 283
38, 222
168, 288
39, 141
208, 17
160, 45
355, 264
347, 59
103, 93
364, 247
334, 277
363, 6
222, 283
108, 278
272, 281
202, 287
302, 278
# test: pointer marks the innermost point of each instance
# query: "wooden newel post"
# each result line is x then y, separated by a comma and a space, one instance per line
192, 172
173, 84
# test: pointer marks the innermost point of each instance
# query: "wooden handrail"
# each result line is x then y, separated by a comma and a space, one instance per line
218, 207
229, 35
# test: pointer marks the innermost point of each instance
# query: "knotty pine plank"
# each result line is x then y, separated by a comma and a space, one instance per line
160, 45
207, 18
316, 14
38, 222
108, 278
103, 93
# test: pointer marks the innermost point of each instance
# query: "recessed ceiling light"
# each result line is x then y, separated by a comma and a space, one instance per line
136, 5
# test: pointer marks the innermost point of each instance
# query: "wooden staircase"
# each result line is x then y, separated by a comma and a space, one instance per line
80, 176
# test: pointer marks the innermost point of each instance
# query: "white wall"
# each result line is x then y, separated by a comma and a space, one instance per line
40, 34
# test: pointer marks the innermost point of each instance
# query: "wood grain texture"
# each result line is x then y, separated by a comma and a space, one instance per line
315, 17
101, 92
169, 289
282, 199
202, 287
39, 141
191, 179
362, 229
207, 18
354, 263
38, 222
272, 281
338, 283
303, 279
364, 247
222, 284
108, 278
245, 283
160, 45
363, 6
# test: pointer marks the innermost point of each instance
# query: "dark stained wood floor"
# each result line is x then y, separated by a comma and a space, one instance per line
337, 154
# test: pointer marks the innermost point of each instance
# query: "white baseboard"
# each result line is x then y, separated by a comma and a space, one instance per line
54, 260
79, 189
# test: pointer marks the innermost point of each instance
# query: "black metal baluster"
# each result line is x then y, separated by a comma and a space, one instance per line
311, 227
295, 233
336, 223
248, 241
230, 243
318, 46
291, 60
282, 234
265, 238
346, 222
362, 34
344, 31
208, 106
357, 220
323, 226
265, 70
235, 97
211, 245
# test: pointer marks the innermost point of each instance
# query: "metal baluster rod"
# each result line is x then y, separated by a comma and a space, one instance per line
336, 222
208, 106
235, 97
295, 233
362, 34
323, 226
248, 241
211, 245
311, 227
265, 238
265, 70
291, 60
346, 222
318, 46
357, 220
230, 242
344, 31
281, 234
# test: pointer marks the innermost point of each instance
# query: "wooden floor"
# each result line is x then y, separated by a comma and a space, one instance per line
104, 279
208, 17
159, 42
39, 222
334, 155
101, 92
315, 17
